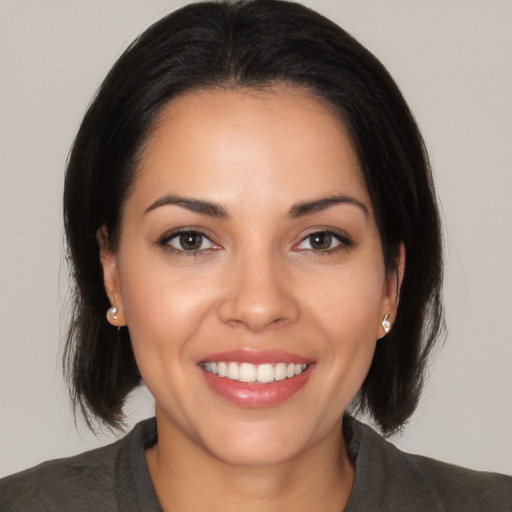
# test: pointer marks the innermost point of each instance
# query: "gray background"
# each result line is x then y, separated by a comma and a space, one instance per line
453, 61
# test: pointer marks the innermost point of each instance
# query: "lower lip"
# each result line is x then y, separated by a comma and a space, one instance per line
255, 394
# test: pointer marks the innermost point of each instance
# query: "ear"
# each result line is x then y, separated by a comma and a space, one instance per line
392, 288
108, 260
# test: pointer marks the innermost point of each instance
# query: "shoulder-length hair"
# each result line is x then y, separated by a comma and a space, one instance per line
252, 44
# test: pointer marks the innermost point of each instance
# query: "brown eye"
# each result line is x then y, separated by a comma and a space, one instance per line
323, 242
188, 241
191, 241
320, 241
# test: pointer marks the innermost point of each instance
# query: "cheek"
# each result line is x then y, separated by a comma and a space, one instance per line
163, 308
348, 304
352, 331
347, 312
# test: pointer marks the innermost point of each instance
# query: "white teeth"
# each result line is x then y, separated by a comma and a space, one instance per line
233, 371
280, 371
265, 373
222, 369
247, 372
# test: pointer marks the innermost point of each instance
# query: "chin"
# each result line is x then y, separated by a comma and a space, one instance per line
258, 444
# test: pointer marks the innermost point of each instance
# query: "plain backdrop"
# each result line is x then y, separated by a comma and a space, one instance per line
453, 62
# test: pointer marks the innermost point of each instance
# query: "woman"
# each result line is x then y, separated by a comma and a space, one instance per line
243, 202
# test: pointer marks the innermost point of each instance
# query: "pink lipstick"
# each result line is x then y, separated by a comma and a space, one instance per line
255, 378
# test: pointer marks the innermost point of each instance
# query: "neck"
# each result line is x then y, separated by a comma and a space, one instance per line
188, 478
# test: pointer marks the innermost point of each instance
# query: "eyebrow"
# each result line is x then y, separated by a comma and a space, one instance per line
309, 207
216, 210
195, 205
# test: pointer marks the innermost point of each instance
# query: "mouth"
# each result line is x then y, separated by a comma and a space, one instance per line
250, 373
256, 379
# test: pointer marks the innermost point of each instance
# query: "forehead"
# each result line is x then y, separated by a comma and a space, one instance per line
261, 145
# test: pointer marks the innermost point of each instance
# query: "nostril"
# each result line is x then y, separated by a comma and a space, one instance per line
258, 300
257, 319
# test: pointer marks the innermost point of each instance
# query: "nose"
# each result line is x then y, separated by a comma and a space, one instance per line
258, 295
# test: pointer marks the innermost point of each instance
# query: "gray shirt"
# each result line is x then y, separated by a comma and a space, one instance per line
115, 478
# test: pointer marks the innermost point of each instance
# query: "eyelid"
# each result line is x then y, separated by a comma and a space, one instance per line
177, 237
343, 239
163, 241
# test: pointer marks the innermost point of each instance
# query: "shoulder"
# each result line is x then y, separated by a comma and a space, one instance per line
460, 486
401, 481
82, 482
107, 479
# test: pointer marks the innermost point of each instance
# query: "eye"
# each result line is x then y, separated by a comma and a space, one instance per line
188, 241
323, 241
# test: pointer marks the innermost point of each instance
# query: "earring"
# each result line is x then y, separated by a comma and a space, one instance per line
113, 312
386, 324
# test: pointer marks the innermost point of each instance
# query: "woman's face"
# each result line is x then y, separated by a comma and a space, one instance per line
249, 247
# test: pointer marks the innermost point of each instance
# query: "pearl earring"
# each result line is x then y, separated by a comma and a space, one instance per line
113, 312
386, 324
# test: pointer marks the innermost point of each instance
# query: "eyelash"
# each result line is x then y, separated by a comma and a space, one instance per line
163, 243
344, 242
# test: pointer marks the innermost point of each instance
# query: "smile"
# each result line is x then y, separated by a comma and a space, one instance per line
247, 372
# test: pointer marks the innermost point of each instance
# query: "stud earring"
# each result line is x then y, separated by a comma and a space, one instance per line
386, 324
113, 312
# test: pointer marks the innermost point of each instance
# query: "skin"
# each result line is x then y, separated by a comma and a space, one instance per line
255, 283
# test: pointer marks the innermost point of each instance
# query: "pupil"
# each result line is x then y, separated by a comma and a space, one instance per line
190, 241
321, 241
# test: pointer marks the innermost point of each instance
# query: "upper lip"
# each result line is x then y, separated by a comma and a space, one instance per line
255, 357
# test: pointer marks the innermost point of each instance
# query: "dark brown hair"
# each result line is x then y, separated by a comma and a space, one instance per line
252, 44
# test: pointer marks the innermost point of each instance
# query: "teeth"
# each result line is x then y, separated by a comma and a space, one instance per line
222, 369
265, 373
247, 372
280, 371
233, 371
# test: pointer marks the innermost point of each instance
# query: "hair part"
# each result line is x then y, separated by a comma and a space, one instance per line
252, 44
